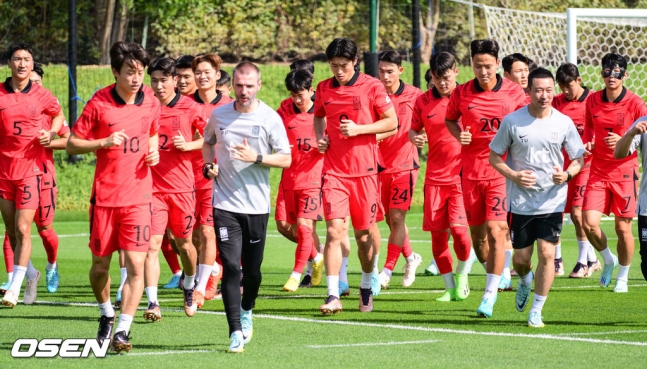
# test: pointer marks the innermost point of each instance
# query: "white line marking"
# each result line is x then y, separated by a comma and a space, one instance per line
168, 352
60, 235
370, 344
604, 333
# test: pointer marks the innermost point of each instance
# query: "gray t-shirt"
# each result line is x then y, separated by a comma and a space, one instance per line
242, 187
641, 141
536, 145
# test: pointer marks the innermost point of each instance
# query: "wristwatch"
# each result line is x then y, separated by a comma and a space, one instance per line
568, 176
259, 159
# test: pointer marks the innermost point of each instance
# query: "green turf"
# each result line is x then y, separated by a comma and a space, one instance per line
289, 332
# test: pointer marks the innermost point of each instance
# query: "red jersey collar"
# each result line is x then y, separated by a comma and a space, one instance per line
352, 81
196, 96
618, 99
298, 111
584, 95
497, 87
9, 87
173, 102
139, 97
400, 89
437, 95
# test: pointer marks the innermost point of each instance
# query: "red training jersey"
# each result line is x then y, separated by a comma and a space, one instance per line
21, 117
444, 157
197, 161
174, 173
307, 162
398, 153
49, 173
363, 99
482, 111
121, 177
604, 117
576, 110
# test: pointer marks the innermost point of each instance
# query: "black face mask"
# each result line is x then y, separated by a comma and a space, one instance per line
608, 71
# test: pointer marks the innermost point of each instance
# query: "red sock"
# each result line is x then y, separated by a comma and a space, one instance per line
8, 253
305, 244
406, 247
170, 256
392, 256
462, 242
50, 242
314, 251
440, 249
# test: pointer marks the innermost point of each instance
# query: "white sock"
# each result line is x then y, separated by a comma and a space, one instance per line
189, 280
203, 277
506, 266
623, 273
124, 275
526, 280
309, 268
558, 251
583, 249
178, 274
215, 270
366, 280
591, 253
49, 266
106, 309
199, 273
607, 256
448, 278
333, 285
9, 276
318, 258
296, 276
491, 285
538, 303
376, 259
124, 323
151, 293
411, 257
18, 278
463, 267
343, 271
31, 271
387, 272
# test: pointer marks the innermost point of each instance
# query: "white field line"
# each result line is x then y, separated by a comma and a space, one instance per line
604, 333
390, 326
371, 344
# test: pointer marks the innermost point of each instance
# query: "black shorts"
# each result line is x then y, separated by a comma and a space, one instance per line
526, 229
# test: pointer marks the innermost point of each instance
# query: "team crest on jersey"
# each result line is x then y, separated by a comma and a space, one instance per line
328, 209
553, 137
643, 234
224, 234
620, 119
32, 111
402, 107
256, 131
505, 108
144, 124
176, 123
357, 102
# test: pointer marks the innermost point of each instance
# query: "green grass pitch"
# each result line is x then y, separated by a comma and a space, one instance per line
585, 324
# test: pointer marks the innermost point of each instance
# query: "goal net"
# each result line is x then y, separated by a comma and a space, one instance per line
546, 38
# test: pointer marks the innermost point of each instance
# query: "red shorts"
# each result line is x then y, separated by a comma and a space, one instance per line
354, 196
27, 190
618, 198
302, 204
443, 207
279, 213
396, 189
46, 207
203, 208
126, 228
174, 211
576, 190
485, 200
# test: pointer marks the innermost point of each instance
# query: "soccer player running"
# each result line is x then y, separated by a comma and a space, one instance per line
612, 183
22, 141
173, 197
223, 85
572, 102
353, 108
516, 68
481, 104
251, 139
301, 182
122, 121
444, 212
400, 161
533, 138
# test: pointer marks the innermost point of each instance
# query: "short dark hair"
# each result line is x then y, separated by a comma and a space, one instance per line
428, 76
440, 63
212, 59
164, 65
614, 58
184, 62
129, 53
298, 80
567, 73
303, 64
509, 60
224, 80
486, 46
390, 56
38, 69
539, 73
15, 47
343, 48
247, 64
